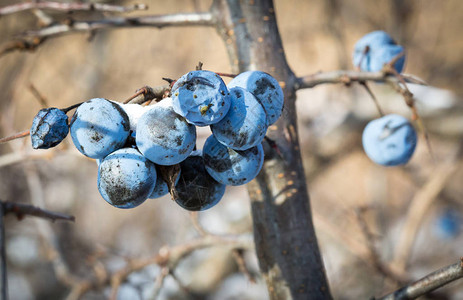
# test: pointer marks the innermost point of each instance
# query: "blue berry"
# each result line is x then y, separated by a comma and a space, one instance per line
244, 126
265, 88
390, 140
381, 50
126, 178
196, 189
449, 224
99, 127
232, 167
49, 127
201, 97
164, 136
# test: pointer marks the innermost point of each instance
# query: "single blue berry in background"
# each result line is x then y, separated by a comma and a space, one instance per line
164, 136
99, 127
265, 88
126, 178
376, 49
201, 97
196, 189
49, 127
244, 126
232, 167
448, 223
389, 140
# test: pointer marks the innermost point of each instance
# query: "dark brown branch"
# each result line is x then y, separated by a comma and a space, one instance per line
348, 77
68, 7
428, 283
21, 210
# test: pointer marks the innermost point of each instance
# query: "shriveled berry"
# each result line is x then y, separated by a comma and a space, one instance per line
49, 127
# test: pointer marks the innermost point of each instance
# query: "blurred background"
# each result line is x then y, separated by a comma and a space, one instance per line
368, 218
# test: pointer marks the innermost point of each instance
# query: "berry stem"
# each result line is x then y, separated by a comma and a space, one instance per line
65, 110
373, 97
15, 136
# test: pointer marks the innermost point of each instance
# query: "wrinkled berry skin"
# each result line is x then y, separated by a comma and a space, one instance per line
164, 136
232, 167
390, 140
49, 127
244, 126
197, 190
382, 49
201, 97
99, 127
126, 178
265, 88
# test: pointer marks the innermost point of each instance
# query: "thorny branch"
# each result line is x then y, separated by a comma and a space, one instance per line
69, 7
428, 283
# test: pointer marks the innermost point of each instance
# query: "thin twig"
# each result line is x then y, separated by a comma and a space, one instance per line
238, 255
381, 267
21, 210
428, 283
418, 208
373, 97
3, 271
148, 93
31, 40
15, 136
40, 98
346, 77
69, 7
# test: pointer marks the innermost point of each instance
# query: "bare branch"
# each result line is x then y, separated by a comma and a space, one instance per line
428, 283
347, 77
20, 210
68, 7
15, 136
168, 257
147, 93
31, 40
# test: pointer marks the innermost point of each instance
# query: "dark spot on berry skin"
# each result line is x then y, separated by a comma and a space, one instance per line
82, 148
179, 140
262, 86
91, 108
96, 137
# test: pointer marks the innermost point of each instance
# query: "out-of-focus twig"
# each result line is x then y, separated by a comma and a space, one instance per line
170, 257
32, 39
428, 283
348, 77
15, 136
3, 274
418, 208
21, 210
38, 95
378, 264
68, 7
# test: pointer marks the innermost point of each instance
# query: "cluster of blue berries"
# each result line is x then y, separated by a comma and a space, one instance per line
391, 139
148, 151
